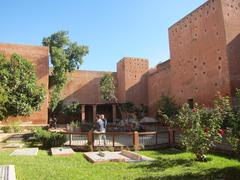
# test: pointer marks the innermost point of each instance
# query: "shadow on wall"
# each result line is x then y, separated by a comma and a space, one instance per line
87, 94
138, 93
233, 53
41, 68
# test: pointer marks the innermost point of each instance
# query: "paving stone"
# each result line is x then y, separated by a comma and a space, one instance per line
95, 157
25, 152
7, 172
13, 145
64, 151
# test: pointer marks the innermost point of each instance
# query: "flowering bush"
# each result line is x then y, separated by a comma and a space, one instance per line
233, 128
201, 126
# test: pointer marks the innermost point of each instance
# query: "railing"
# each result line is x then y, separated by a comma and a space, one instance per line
119, 139
134, 139
153, 138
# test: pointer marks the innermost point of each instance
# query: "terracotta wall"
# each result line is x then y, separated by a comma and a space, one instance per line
38, 55
159, 83
231, 15
121, 94
204, 53
132, 80
83, 87
199, 65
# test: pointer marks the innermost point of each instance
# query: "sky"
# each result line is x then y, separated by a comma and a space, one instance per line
112, 29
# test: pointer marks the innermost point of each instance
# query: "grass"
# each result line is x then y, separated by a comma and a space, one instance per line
168, 165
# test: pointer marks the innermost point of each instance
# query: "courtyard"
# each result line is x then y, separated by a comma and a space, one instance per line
164, 112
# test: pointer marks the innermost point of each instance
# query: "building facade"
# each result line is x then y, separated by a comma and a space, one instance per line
204, 60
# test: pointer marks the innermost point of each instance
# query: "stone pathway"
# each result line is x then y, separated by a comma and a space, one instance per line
25, 152
13, 145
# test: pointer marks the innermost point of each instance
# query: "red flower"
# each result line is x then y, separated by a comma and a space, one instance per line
221, 132
194, 110
206, 129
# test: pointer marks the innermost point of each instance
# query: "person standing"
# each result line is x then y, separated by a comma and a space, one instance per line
100, 129
104, 121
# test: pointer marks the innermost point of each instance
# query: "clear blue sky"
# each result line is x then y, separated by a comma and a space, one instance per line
111, 28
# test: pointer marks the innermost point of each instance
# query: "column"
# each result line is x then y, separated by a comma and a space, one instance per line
114, 112
94, 112
83, 112
135, 141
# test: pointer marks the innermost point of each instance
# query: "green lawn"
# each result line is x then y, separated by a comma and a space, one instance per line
169, 165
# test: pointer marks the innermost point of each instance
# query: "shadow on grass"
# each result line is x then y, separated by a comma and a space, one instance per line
227, 155
18, 137
228, 173
162, 164
168, 151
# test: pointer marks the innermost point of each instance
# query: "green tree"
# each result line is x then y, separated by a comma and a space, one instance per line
19, 92
65, 56
167, 108
72, 110
200, 126
107, 90
3, 101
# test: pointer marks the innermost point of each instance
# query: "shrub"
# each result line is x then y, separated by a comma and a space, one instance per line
49, 139
233, 128
72, 109
13, 127
201, 126
166, 108
74, 126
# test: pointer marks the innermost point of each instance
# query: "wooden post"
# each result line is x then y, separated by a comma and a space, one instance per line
70, 139
156, 138
114, 112
83, 112
94, 112
171, 137
113, 140
135, 140
90, 138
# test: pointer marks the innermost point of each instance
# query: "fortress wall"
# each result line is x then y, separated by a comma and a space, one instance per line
132, 80
199, 66
84, 87
159, 83
38, 55
231, 15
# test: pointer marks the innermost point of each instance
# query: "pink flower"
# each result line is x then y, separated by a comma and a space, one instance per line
194, 110
221, 132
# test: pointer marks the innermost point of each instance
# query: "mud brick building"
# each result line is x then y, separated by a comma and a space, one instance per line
38, 55
204, 59
204, 56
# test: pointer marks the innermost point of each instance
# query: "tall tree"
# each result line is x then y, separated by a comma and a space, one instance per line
107, 90
65, 56
19, 92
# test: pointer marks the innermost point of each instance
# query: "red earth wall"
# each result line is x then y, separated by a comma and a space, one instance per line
38, 55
